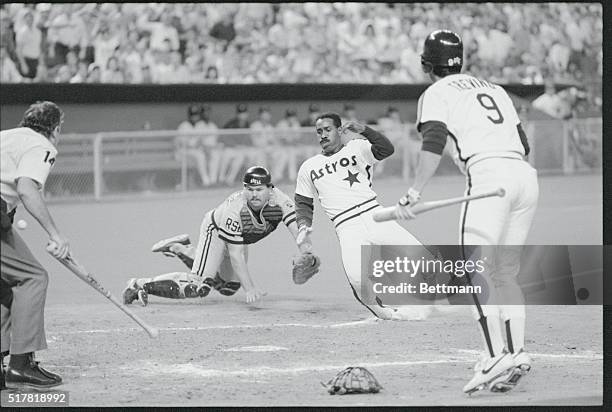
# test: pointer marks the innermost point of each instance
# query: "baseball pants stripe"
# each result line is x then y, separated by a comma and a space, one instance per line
202, 254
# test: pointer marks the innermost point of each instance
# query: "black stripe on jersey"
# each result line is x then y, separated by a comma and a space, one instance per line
355, 215
368, 168
288, 215
482, 319
225, 232
351, 208
457, 146
290, 222
233, 242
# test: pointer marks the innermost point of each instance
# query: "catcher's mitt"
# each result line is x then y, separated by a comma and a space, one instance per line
305, 266
353, 379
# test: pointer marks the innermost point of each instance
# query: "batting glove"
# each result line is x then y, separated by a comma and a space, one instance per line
410, 198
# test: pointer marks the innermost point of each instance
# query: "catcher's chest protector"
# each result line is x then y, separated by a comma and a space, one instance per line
254, 230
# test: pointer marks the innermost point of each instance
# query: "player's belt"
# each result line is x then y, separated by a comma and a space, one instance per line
354, 211
481, 156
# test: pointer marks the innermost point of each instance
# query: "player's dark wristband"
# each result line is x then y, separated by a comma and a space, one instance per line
381, 145
304, 208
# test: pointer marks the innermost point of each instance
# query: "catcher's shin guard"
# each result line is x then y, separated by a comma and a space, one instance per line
228, 288
207, 285
163, 288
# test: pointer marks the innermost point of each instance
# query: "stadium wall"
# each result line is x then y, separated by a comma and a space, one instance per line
94, 108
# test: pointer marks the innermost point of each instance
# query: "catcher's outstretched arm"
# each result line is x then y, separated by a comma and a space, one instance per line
237, 254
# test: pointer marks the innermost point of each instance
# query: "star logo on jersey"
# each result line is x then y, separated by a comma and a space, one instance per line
352, 178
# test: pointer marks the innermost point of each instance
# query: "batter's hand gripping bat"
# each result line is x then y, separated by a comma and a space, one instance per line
78, 269
389, 213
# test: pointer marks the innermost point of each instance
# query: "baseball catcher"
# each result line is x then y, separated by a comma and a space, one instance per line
219, 261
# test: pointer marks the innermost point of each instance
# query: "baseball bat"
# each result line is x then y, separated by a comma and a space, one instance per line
388, 213
78, 269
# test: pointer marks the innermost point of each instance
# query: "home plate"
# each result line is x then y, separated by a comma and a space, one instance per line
264, 348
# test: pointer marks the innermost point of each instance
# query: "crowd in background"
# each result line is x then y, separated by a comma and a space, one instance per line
293, 42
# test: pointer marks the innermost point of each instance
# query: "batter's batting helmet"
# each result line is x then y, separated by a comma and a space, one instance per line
42, 117
257, 175
442, 53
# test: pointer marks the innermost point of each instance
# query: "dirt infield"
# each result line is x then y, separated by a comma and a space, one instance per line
219, 351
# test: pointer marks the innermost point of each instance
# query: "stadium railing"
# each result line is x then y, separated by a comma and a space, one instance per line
100, 165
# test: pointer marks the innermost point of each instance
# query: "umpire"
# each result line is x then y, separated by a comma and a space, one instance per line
27, 154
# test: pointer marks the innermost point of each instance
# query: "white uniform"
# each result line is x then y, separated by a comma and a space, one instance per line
482, 122
25, 153
230, 222
343, 184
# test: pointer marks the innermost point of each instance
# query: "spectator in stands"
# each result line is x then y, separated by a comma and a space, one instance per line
81, 74
164, 36
241, 120
131, 60
514, 41
313, 113
63, 74
212, 75
72, 61
28, 39
94, 74
262, 129
67, 30
224, 30
8, 69
112, 73
147, 76
180, 71
42, 73
195, 70
162, 69
7, 34
105, 44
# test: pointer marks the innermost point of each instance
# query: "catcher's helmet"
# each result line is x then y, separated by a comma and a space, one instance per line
257, 175
442, 53
42, 117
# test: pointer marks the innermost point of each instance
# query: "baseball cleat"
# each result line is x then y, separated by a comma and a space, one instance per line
165, 244
130, 293
143, 297
522, 365
490, 372
207, 285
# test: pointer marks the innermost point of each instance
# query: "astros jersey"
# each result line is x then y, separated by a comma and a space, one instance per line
342, 180
25, 153
480, 116
238, 224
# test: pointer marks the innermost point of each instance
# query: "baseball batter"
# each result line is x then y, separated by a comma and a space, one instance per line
341, 178
28, 153
490, 148
220, 259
